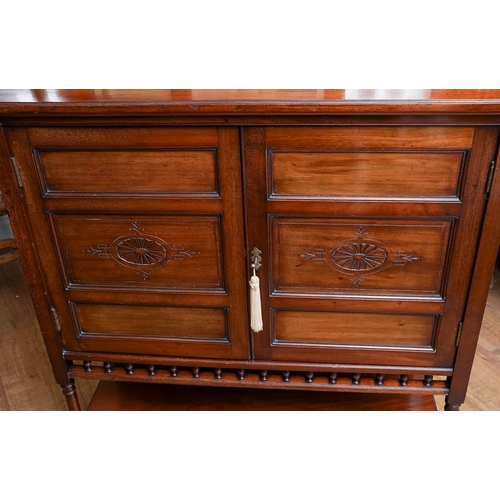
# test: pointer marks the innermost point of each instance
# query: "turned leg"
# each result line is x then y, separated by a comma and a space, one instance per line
69, 390
451, 406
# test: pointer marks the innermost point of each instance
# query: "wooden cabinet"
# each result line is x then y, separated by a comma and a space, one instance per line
377, 230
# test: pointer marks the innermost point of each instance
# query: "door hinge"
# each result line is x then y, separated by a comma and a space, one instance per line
490, 177
16, 171
56, 318
459, 333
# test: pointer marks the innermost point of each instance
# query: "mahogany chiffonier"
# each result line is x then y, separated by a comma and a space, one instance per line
370, 218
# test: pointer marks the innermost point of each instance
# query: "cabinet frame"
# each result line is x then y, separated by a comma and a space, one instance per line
404, 377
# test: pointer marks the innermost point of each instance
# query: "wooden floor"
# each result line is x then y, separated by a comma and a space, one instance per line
27, 383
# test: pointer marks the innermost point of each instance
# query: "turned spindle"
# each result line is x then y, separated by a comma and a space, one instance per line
107, 366
309, 376
218, 372
173, 371
196, 372
332, 378
263, 375
356, 378
403, 379
379, 379
129, 368
286, 376
151, 370
241, 374
87, 365
427, 380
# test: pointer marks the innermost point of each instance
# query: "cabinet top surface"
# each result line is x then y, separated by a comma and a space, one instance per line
246, 101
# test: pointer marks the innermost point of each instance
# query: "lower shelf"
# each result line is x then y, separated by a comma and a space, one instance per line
133, 396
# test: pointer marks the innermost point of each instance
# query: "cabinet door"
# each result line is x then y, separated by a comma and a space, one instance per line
368, 236
140, 233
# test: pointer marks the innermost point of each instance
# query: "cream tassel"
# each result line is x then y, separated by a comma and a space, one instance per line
255, 307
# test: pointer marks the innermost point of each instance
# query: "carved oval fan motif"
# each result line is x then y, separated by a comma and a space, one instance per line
359, 256
141, 251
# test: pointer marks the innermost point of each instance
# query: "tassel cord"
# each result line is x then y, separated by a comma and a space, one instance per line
255, 304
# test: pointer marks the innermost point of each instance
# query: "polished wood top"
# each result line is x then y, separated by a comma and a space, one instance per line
246, 101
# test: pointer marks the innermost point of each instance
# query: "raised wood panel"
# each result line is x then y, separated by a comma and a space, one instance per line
122, 137
405, 138
353, 329
365, 175
181, 323
174, 252
121, 173
328, 256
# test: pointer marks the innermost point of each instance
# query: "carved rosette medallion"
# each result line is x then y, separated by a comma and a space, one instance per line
141, 252
358, 256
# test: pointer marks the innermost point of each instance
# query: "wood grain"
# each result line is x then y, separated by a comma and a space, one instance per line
102, 102
102, 320
4, 402
360, 329
364, 175
116, 396
27, 382
101, 172
373, 138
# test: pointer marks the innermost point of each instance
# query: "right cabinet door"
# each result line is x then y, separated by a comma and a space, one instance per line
368, 236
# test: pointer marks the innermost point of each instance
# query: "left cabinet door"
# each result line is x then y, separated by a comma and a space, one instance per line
140, 234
